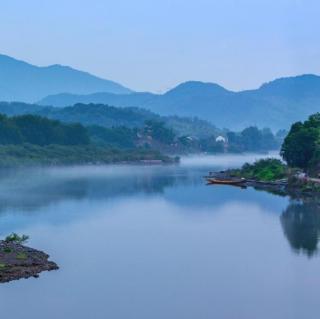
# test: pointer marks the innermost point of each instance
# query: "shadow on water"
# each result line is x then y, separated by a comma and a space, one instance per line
300, 222
301, 225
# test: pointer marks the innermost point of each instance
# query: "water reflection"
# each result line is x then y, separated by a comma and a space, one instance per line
301, 225
31, 189
157, 242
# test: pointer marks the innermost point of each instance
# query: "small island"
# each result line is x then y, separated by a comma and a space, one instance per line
18, 261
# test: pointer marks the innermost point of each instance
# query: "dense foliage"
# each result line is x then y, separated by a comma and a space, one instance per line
109, 116
157, 130
28, 154
15, 238
31, 139
38, 138
269, 169
157, 135
210, 145
40, 131
36, 130
119, 137
187, 126
301, 147
252, 139
122, 125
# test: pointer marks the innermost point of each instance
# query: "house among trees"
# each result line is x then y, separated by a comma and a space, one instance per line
221, 139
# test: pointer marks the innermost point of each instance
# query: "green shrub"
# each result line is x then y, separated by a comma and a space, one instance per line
15, 238
7, 250
21, 256
263, 170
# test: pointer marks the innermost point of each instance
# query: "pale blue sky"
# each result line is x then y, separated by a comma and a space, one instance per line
155, 44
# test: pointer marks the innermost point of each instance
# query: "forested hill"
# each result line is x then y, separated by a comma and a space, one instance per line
153, 135
275, 104
34, 140
108, 116
40, 131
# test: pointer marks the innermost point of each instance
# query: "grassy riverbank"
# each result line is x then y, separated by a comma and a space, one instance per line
31, 155
275, 176
269, 169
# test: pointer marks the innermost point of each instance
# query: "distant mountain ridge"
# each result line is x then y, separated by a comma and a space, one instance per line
275, 104
21, 81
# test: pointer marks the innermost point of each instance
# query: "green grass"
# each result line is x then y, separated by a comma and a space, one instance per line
29, 155
2, 266
21, 256
263, 170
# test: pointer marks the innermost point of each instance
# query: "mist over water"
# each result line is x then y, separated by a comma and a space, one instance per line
156, 242
225, 161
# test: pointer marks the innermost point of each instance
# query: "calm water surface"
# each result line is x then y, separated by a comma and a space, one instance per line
156, 242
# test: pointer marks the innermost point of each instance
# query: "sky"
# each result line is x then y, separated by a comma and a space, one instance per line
152, 45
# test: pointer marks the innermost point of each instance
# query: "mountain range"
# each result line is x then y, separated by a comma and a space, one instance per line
276, 104
21, 81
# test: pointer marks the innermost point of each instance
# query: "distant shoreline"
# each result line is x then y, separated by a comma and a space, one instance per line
29, 155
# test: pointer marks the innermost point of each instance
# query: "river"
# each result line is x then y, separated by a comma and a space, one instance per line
149, 242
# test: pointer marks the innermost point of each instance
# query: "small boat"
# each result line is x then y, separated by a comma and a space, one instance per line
233, 181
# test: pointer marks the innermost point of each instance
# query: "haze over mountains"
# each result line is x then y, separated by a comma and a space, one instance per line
21, 81
276, 104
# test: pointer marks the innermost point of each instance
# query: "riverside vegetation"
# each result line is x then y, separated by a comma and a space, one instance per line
31, 139
301, 170
104, 134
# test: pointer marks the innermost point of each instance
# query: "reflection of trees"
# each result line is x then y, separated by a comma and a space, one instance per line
32, 196
301, 225
29, 190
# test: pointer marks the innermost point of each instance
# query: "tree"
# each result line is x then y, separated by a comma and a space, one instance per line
9, 132
40, 131
159, 132
211, 145
268, 141
251, 138
302, 143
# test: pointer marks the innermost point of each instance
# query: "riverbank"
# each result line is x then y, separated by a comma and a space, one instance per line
18, 261
269, 175
55, 155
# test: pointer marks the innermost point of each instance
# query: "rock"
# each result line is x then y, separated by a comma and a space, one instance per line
18, 261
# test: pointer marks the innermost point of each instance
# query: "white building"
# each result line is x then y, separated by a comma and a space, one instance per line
221, 139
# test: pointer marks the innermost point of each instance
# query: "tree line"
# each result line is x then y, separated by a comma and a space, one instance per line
40, 131
301, 147
37, 130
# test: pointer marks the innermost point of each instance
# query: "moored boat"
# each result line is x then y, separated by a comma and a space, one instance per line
232, 181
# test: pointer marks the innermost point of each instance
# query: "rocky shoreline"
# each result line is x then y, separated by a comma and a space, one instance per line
18, 261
